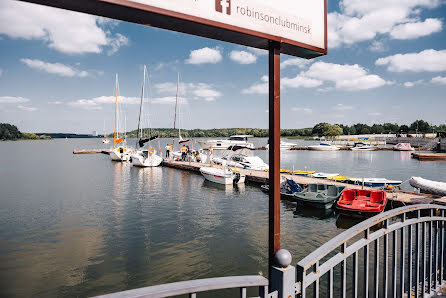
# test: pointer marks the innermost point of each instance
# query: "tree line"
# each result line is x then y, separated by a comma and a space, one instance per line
9, 132
320, 129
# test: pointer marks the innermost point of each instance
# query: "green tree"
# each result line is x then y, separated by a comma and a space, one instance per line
333, 131
420, 126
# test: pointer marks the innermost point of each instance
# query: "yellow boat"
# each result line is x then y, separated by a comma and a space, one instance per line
303, 173
340, 178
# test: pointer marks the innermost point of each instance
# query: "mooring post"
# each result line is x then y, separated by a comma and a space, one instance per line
283, 275
274, 153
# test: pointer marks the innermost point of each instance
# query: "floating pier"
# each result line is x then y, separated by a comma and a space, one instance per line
397, 199
429, 156
94, 151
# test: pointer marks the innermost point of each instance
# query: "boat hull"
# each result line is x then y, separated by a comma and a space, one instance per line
119, 155
323, 148
428, 186
362, 203
138, 160
221, 176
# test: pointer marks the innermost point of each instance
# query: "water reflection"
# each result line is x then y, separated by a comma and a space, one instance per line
304, 211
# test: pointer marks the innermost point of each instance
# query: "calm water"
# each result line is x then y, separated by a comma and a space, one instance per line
81, 225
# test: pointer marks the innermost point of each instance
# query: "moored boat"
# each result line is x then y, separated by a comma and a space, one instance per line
287, 188
323, 147
361, 202
319, 195
340, 178
324, 175
428, 186
302, 173
403, 147
374, 182
363, 147
222, 176
238, 140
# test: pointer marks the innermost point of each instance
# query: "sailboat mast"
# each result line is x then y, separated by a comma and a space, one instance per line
116, 107
140, 108
176, 104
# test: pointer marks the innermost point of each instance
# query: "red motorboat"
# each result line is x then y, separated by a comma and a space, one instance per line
361, 202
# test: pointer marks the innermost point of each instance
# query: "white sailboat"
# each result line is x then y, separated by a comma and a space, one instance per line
144, 157
105, 140
192, 155
118, 152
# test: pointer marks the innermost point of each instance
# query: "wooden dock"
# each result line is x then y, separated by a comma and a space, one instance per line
397, 199
429, 156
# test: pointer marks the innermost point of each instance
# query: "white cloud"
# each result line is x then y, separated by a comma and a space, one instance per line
439, 80
198, 91
12, 99
57, 102
360, 20
257, 52
427, 60
204, 55
169, 100
346, 77
242, 57
304, 110
411, 84
417, 29
377, 46
65, 31
96, 102
258, 88
299, 62
300, 81
87, 104
27, 108
116, 42
341, 107
54, 68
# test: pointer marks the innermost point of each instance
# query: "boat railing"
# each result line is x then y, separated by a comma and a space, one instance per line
416, 255
192, 287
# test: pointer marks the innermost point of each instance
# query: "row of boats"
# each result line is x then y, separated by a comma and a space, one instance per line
359, 146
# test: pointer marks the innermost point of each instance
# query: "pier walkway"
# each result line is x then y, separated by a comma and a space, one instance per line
399, 198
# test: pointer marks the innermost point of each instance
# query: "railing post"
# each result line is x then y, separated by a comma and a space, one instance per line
283, 275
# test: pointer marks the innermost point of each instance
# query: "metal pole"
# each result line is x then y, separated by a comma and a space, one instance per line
274, 152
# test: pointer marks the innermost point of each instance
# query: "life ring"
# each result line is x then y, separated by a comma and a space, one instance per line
151, 150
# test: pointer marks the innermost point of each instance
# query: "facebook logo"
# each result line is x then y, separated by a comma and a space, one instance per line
223, 6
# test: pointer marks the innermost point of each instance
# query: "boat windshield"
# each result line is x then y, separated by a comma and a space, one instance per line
238, 139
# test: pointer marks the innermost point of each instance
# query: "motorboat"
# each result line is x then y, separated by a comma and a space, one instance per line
145, 157
361, 202
324, 175
241, 158
323, 147
374, 182
403, 147
287, 188
319, 195
222, 176
283, 145
120, 153
428, 186
363, 147
239, 140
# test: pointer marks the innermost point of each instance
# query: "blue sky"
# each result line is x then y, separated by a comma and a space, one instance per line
386, 62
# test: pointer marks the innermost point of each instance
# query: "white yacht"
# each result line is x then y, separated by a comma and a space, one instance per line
240, 158
222, 176
324, 147
284, 145
239, 140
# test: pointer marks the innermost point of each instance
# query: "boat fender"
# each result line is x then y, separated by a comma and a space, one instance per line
151, 150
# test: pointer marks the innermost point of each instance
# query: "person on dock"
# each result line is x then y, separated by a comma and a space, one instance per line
183, 153
168, 149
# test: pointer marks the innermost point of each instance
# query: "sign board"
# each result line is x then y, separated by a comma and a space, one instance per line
300, 26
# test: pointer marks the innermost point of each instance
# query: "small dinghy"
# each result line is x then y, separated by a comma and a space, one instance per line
302, 173
360, 202
287, 188
374, 182
340, 178
324, 147
403, 147
222, 176
319, 195
428, 186
324, 175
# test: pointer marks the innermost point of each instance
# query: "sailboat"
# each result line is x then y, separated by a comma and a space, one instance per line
194, 155
105, 140
144, 157
121, 152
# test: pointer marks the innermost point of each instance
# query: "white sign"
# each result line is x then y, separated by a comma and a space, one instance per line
300, 21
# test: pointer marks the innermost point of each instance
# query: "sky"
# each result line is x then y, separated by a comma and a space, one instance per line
386, 62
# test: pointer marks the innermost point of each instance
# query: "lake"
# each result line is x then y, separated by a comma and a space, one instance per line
82, 225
